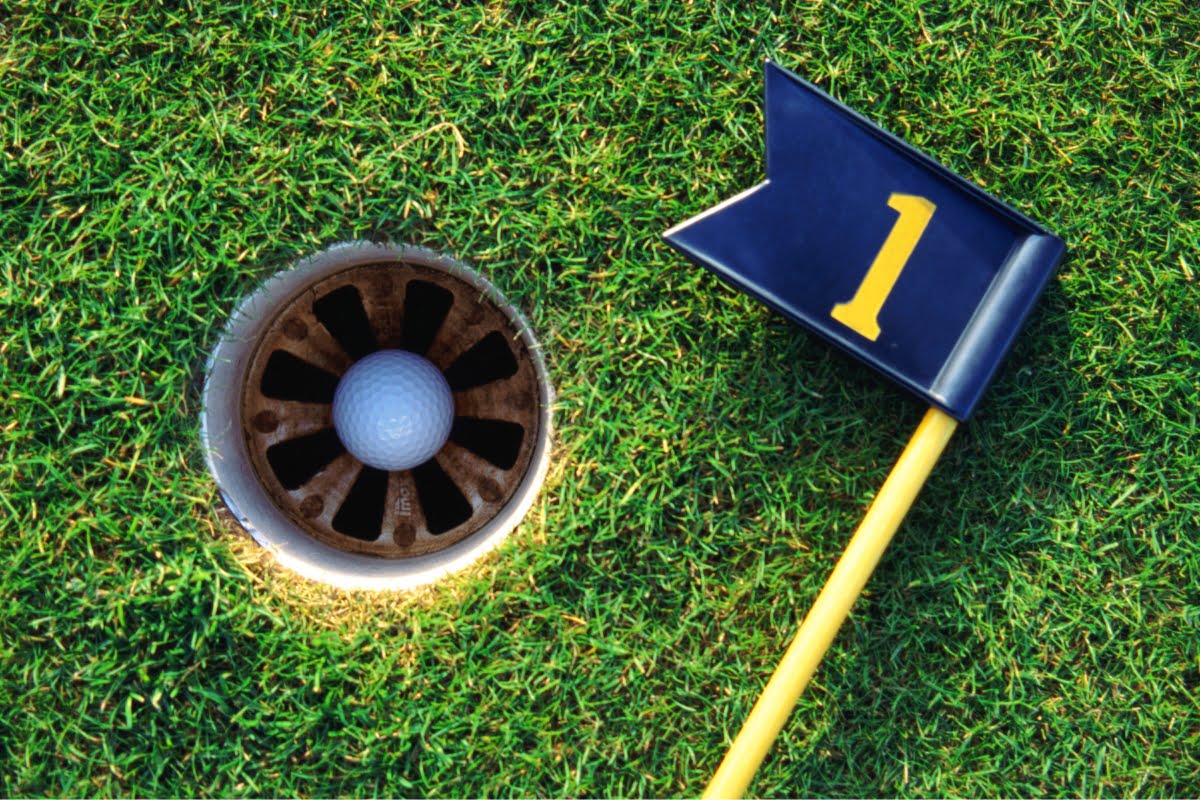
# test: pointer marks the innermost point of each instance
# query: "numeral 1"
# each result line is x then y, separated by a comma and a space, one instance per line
861, 314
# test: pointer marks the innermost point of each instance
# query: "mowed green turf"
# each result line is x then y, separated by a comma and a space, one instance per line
1033, 630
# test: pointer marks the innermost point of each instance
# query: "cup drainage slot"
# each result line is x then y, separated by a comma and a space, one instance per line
496, 441
444, 504
343, 315
361, 513
489, 360
426, 306
296, 461
289, 377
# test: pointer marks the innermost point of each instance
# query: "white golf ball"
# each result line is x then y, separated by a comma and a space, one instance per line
393, 410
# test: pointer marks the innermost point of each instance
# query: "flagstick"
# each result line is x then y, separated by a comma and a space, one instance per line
832, 606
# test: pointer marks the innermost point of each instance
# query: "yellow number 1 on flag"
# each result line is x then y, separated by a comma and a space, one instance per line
861, 314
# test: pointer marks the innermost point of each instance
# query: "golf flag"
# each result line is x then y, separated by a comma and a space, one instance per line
894, 258
877, 248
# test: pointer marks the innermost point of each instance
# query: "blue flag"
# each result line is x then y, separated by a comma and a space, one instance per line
876, 247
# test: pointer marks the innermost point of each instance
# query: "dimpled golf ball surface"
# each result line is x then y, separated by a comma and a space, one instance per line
393, 410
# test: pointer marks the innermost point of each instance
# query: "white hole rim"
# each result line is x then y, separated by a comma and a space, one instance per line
229, 462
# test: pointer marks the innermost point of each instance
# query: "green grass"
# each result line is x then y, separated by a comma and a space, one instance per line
1035, 627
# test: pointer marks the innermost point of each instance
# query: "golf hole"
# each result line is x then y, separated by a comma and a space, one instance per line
270, 441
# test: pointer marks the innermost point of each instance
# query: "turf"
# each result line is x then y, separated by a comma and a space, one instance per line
1033, 629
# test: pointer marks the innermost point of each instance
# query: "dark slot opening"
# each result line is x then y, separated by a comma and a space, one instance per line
342, 313
289, 377
490, 359
296, 461
425, 308
361, 514
443, 502
494, 440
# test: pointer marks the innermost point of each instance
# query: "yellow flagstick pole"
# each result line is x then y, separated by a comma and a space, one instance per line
832, 606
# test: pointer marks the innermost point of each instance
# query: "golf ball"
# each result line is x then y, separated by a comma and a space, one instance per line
393, 410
